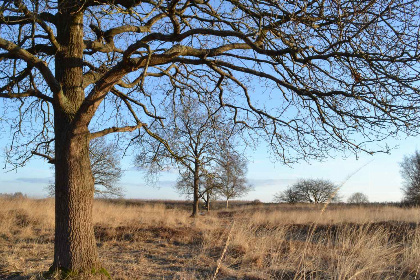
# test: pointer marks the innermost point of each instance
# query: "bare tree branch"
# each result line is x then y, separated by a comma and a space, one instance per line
50, 159
115, 130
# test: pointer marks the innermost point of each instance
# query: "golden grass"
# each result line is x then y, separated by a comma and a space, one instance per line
283, 242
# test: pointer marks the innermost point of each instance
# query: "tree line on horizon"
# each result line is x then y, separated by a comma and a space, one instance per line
228, 180
316, 191
322, 191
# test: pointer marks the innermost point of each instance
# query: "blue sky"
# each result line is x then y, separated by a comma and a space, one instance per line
378, 177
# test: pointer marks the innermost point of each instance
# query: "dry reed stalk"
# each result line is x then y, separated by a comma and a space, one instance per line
314, 225
219, 262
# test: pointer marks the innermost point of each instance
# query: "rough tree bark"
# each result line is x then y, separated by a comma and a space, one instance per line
75, 246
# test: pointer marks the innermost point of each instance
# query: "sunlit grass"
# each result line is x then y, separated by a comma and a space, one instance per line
277, 242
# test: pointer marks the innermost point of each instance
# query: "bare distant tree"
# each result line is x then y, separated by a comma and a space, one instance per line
290, 195
309, 77
309, 190
207, 186
358, 198
226, 176
410, 172
106, 169
193, 144
317, 190
232, 179
210, 190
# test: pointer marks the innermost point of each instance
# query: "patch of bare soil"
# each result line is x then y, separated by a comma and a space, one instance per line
127, 252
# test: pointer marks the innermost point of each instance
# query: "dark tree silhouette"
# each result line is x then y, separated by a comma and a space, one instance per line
290, 195
308, 77
358, 198
410, 172
309, 190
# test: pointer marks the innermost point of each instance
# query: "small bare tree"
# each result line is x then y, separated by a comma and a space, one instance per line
106, 169
290, 195
192, 144
310, 190
317, 190
358, 198
232, 181
410, 172
210, 190
206, 186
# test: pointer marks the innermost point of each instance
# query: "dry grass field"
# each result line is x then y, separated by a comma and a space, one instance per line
150, 241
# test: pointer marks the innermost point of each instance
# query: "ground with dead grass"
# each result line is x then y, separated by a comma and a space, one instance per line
154, 241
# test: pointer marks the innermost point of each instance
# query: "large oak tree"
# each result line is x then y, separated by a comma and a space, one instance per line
309, 76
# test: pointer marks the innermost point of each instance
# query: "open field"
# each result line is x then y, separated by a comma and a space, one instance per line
154, 241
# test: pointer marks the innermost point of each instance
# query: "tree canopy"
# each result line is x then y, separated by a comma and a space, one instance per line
312, 75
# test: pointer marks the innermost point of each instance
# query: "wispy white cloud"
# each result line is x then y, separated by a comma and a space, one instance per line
159, 184
271, 182
34, 180
31, 180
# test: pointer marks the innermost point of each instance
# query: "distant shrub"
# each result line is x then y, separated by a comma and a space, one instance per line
16, 195
256, 202
358, 198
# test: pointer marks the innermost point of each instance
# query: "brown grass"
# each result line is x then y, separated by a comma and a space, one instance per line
285, 242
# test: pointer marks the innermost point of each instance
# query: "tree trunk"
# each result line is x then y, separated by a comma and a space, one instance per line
74, 246
195, 186
227, 203
207, 201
